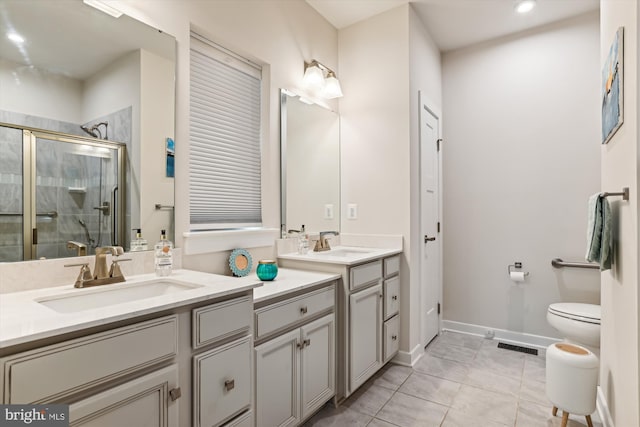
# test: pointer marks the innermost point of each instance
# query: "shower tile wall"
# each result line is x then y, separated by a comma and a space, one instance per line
58, 170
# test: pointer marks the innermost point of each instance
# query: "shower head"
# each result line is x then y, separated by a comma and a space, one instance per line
94, 130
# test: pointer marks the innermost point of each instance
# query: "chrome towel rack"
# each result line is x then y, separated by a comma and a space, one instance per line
559, 263
624, 193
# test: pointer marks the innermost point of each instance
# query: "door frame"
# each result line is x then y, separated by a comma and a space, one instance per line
426, 104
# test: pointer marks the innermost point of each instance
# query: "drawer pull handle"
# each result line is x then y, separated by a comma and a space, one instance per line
380, 295
394, 337
303, 310
175, 393
229, 385
395, 297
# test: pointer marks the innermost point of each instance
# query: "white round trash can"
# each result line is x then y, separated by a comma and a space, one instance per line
572, 378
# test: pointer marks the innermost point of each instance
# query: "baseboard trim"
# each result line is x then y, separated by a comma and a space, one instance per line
409, 359
603, 409
511, 337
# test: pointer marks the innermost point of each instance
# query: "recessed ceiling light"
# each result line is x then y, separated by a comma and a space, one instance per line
524, 6
15, 37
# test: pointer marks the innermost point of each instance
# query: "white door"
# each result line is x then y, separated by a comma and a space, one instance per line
318, 364
278, 381
429, 216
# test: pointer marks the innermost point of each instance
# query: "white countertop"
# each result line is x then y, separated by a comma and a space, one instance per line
23, 319
343, 255
289, 280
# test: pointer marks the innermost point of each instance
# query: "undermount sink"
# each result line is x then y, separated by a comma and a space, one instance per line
343, 252
92, 298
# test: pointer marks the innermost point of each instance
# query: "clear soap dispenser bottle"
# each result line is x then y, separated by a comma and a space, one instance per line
163, 255
303, 241
139, 244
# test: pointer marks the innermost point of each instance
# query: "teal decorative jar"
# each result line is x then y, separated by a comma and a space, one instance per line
267, 270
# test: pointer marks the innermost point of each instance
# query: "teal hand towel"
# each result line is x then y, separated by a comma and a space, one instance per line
606, 251
594, 228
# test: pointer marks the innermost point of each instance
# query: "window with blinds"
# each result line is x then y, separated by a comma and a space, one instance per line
225, 157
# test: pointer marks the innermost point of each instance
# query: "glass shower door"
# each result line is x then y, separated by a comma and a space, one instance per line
76, 196
11, 190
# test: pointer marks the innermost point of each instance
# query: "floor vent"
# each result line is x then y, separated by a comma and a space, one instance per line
518, 348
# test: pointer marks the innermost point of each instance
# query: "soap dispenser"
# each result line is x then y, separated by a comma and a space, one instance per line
163, 255
139, 244
303, 241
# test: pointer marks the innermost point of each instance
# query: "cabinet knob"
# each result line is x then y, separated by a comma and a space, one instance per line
394, 337
303, 310
175, 393
229, 385
307, 342
395, 297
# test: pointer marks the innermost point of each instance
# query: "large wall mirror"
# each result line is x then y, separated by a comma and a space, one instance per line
310, 165
87, 118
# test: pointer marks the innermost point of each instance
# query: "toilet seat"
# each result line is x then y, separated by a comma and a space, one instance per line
587, 313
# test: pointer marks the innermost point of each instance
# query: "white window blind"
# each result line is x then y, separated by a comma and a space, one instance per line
225, 157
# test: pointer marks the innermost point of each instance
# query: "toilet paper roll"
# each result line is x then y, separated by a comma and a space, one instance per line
517, 276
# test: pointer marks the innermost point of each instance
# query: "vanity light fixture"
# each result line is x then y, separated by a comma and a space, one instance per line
524, 6
315, 79
103, 7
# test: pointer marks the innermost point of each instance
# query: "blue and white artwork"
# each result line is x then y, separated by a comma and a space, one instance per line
612, 80
171, 152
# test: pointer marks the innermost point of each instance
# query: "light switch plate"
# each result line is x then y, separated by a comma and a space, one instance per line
352, 211
328, 211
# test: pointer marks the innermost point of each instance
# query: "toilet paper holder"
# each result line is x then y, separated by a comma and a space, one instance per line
517, 266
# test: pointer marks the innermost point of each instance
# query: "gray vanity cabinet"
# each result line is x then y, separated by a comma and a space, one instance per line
295, 357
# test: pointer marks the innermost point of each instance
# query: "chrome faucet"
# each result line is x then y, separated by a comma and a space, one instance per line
322, 244
101, 274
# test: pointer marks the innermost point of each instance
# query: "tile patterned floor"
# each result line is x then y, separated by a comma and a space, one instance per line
461, 381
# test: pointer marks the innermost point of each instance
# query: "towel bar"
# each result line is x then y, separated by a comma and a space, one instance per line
624, 193
159, 206
559, 263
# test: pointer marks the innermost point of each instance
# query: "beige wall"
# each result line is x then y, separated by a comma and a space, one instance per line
619, 348
521, 157
384, 61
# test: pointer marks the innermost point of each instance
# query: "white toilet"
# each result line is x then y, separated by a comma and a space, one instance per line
578, 323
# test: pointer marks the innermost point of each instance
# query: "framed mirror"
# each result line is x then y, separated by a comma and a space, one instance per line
79, 81
310, 164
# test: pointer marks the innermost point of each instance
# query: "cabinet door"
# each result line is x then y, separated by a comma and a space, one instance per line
221, 383
278, 381
391, 334
391, 297
317, 364
143, 402
365, 353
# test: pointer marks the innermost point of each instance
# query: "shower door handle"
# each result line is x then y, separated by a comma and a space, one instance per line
428, 239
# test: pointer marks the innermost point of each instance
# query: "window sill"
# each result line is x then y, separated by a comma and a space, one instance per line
201, 242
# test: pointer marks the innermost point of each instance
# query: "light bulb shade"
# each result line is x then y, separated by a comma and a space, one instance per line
332, 87
313, 78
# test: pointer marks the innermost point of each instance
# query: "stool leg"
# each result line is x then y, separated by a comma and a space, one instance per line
565, 418
554, 411
589, 423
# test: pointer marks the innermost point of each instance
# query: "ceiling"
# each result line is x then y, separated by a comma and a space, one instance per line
457, 23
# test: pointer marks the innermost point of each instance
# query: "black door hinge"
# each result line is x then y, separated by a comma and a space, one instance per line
438, 308
438, 143
438, 226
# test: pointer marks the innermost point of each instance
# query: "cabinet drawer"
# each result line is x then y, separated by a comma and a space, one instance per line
365, 274
53, 372
391, 266
279, 315
391, 337
222, 383
391, 296
222, 320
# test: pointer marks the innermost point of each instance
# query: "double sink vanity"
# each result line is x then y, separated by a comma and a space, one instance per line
198, 349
